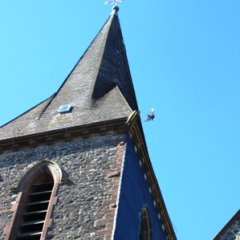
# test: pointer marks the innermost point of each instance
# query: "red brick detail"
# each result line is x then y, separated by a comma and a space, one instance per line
111, 204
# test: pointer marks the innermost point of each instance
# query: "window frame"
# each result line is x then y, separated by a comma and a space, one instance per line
145, 232
23, 188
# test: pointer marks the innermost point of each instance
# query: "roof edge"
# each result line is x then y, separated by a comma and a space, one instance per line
135, 130
25, 112
76, 64
67, 134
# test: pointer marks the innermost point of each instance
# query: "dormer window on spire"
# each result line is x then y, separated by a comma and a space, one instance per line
66, 108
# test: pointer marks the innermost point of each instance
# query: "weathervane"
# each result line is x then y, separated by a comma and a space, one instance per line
113, 2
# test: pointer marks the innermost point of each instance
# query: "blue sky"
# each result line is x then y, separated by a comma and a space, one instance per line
185, 62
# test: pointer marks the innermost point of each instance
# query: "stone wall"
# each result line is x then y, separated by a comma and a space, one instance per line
86, 198
233, 232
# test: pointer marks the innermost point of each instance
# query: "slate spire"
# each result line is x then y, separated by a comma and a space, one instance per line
99, 88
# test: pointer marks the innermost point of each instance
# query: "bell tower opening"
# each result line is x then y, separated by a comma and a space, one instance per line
34, 204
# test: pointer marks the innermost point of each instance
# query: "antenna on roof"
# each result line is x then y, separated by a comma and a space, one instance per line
113, 2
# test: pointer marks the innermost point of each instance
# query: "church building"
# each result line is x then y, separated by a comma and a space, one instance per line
231, 231
76, 166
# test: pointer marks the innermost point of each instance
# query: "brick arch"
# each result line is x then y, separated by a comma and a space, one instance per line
36, 198
145, 225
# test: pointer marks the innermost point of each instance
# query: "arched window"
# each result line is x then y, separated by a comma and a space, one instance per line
145, 226
35, 200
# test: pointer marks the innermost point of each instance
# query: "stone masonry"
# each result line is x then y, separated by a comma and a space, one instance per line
87, 195
233, 233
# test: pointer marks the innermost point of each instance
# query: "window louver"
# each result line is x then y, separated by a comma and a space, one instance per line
34, 208
34, 204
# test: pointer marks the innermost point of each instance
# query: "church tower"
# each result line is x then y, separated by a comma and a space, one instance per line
76, 166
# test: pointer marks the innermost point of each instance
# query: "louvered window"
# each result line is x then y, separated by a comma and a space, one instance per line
35, 205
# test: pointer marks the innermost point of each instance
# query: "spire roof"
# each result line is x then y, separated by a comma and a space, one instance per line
99, 88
